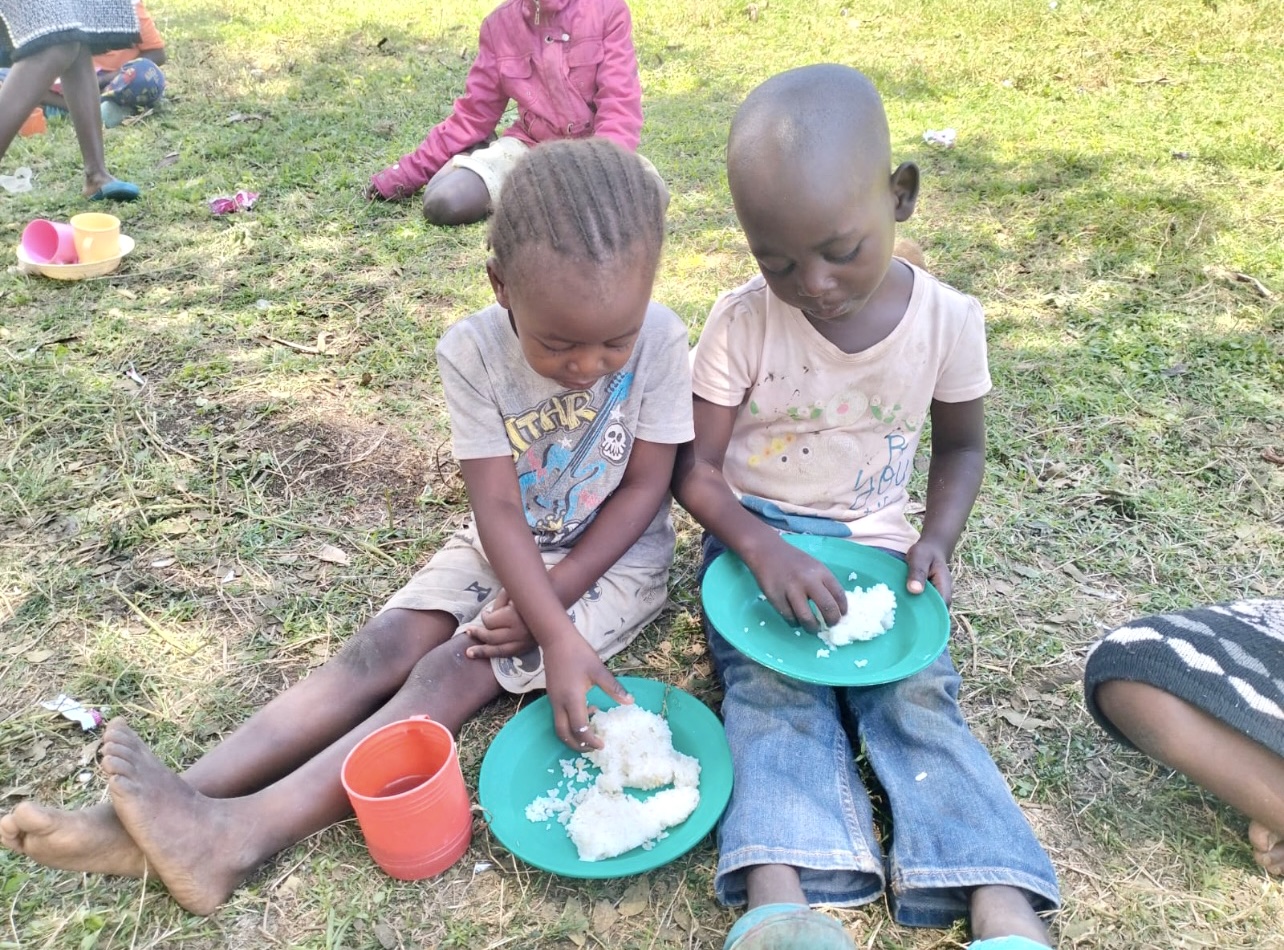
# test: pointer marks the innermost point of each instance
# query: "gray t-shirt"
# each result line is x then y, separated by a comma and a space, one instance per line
570, 446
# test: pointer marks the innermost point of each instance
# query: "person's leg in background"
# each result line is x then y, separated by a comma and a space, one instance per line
25, 85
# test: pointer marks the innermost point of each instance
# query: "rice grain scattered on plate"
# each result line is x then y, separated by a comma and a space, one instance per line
637, 752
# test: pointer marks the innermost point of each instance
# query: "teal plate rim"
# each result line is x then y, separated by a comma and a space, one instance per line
733, 605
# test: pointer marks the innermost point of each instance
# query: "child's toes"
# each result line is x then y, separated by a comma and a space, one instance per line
1268, 847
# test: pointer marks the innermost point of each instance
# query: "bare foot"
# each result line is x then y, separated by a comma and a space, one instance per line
997, 910
96, 182
89, 839
195, 845
1268, 848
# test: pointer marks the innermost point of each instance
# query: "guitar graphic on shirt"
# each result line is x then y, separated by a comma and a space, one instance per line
560, 480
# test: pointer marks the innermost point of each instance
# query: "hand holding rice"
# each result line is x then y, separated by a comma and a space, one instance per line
870, 613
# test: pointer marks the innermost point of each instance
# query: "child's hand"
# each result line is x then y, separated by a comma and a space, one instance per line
371, 193
927, 561
571, 669
499, 631
792, 581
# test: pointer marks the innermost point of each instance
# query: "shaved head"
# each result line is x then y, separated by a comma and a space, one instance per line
817, 121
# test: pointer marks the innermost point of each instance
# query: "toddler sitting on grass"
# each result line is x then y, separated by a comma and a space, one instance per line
812, 385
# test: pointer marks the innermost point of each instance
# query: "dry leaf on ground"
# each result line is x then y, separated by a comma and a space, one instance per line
332, 555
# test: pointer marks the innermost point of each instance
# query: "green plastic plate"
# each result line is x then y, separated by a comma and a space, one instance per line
750, 624
516, 771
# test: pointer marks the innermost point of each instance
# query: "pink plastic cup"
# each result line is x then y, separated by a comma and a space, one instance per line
408, 793
49, 242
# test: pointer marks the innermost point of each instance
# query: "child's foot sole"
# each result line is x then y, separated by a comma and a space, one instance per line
787, 927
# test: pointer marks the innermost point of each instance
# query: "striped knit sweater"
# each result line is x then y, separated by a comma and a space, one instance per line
28, 26
1227, 660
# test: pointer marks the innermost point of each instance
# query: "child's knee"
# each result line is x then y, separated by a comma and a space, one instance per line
457, 197
391, 641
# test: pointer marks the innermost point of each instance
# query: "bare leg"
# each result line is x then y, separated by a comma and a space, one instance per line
1000, 911
277, 739
774, 884
456, 196
203, 848
29, 80
1245, 774
80, 89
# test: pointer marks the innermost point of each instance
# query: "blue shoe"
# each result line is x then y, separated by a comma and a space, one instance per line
116, 191
1007, 943
787, 927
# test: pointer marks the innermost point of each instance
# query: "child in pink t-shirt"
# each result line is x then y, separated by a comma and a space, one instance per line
813, 384
571, 68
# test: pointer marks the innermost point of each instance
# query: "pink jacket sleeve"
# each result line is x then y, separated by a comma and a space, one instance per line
473, 117
619, 91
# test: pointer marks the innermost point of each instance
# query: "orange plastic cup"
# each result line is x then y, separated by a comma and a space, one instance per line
408, 792
34, 124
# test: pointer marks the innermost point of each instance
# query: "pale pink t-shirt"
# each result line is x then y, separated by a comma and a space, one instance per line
824, 441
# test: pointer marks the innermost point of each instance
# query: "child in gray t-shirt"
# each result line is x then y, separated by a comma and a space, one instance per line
567, 402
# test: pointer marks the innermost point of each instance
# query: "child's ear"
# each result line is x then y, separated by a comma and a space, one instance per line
905, 189
497, 283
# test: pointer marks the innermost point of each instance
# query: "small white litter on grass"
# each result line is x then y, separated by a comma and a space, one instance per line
943, 137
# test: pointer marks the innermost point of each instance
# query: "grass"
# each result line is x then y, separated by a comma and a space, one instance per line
1113, 200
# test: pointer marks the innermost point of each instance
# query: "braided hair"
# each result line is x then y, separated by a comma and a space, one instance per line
587, 200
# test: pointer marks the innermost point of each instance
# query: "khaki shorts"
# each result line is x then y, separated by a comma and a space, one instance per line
459, 580
494, 163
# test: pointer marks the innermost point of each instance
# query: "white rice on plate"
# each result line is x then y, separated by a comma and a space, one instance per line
870, 613
638, 753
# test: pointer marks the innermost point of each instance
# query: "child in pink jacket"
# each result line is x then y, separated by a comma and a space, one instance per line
571, 68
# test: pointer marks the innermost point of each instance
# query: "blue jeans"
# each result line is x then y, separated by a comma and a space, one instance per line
797, 798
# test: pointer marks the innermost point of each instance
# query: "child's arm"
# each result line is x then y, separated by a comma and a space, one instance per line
150, 44
789, 578
571, 665
953, 480
473, 117
618, 103
621, 520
